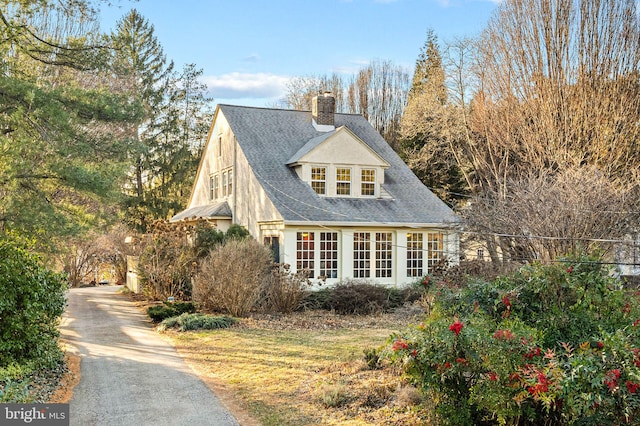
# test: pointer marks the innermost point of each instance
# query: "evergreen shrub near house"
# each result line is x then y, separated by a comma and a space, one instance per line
169, 309
197, 321
32, 302
556, 344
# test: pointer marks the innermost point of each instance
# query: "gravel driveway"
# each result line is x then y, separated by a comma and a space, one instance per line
129, 374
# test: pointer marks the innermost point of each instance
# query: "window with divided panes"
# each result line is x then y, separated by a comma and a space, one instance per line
319, 180
415, 253
343, 181
368, 182
305, 252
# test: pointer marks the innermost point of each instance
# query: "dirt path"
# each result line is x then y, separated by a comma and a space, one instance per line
129, 374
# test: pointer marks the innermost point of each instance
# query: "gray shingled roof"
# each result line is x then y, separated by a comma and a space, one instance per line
270, 138
210, 211
309, 146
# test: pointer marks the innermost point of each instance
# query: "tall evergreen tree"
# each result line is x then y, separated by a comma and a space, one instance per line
428, 140
141, 63
59, 120
171, 132
185, 117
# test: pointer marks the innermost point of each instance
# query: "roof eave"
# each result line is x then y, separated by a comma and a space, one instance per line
345, 224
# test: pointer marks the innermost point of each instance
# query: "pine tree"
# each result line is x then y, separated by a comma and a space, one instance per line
171, 132
185, 116
140, 61
59, 142
427, 140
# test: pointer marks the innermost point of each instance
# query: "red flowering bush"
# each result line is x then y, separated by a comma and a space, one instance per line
456, 327
547, 345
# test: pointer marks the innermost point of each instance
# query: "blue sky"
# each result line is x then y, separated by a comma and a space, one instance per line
248, 49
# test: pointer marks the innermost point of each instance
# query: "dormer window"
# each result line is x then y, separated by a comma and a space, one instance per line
339, 164
343, 181
368, 182
319, 180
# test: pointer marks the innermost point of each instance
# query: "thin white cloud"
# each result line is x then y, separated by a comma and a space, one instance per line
251, 58
238, 85
351, 66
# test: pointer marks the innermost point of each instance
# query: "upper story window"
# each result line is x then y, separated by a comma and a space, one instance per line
227, 183
224, 184
343, 181
368, 182
221, 184
319, 180
213, 187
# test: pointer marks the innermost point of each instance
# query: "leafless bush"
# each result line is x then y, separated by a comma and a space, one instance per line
285, 290
546, 215
232, 278
167, 263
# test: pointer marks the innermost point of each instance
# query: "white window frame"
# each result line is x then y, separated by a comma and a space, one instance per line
435, 248
224, 183
415, 254
373, 254
329, 254
214, 186
305, 252
339, 182
315, 183
362, 254
368, 183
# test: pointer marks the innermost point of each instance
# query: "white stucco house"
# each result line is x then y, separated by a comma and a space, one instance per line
324, 190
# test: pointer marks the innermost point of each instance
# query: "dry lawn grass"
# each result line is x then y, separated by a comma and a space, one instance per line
304, 369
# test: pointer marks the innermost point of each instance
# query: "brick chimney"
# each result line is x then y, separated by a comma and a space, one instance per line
323, 108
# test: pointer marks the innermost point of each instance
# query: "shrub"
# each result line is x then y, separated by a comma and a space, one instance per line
317, 299
372, 358
189, 321
407, 396
554, 344
285, 290
232, 277
358, 297
237, 232
167, 263
14, 392
207, 238
169, 309
33, 299
333, 396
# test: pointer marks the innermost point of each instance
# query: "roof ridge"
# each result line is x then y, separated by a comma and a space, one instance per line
285, 109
